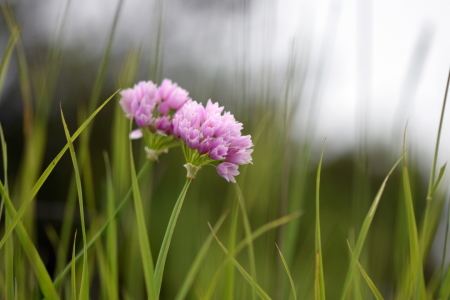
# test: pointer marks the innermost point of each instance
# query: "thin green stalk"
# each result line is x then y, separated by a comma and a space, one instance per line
229, 273
144, 242
111, 235
58, 280
288, 272
84, 290
364, 230
425, 239
9, 248
159, 269
248, 234
415, 257
319, 283
6, 59
73, 277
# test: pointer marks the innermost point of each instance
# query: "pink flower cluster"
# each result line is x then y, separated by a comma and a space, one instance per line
152, 106
214, 134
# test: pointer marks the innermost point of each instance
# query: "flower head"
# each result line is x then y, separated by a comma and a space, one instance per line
210, 136
153, 108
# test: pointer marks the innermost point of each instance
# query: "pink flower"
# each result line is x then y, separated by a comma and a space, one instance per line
228, 171
172, 96
142, 93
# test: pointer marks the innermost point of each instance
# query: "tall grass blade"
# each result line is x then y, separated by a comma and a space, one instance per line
415, 257
94, 239
111, 235
319, 282
47, 172
369, 281
84, 290
248, 235
258, 290
73, 277
189, 279
33, 256
286, 267
7, 56
144, 242
159, 269
9, 248
229, 271
364, 230
426, 238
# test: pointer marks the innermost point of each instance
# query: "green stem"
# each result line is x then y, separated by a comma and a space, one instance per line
159, 269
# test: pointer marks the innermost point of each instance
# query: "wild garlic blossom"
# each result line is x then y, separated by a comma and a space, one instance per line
211, 136
153, 108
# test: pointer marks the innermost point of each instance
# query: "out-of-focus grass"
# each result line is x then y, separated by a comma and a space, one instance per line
264, 205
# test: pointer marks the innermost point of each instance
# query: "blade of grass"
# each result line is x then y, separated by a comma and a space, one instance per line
111, 234
415, 257
258, 290
189, 279
319, 282
9, 248
73, 277
248, 234
364, 229
426, 237
288, 272
159, 269
84, 290
47, 172
369, 281
92, 241
6, 59
38, 266
229, 273
144, 242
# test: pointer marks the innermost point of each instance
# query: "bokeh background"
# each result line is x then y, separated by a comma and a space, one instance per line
295, 73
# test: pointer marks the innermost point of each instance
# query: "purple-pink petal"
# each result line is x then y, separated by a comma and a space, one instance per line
228, 171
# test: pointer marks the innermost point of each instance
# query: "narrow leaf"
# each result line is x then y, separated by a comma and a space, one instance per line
436, 184
74, 278
7, 56
319, 282
288, 272
84, 290
364, 230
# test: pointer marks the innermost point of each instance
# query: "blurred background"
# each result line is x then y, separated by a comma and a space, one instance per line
293, 72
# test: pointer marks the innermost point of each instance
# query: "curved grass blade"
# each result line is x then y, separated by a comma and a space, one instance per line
144, 242
426, 238
369, 281
364, 229
92, 241
258, 290
229, 269
9, 248
189, 279
73, 277
6, 59
159, 269
248, 235
415, 257
319, 282
111, 235
47, 172
84, 290
288, 272
38, 266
